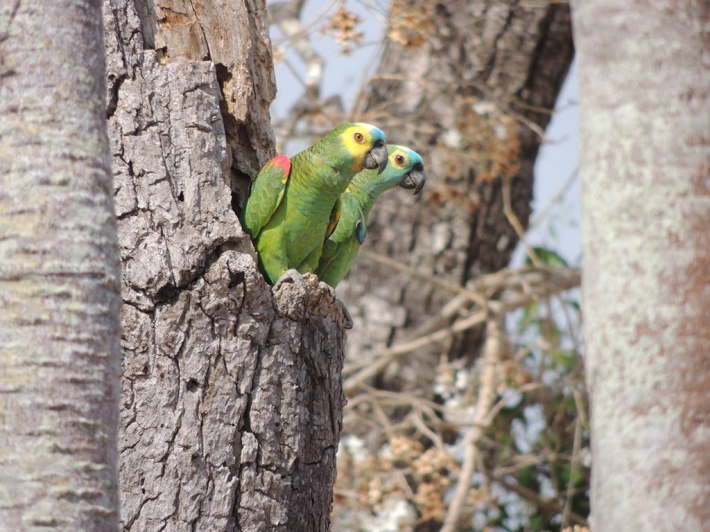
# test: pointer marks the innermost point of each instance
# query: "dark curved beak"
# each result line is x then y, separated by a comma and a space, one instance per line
415, 179
377, 157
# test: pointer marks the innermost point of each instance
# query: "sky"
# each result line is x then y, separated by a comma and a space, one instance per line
558, 159
556, 168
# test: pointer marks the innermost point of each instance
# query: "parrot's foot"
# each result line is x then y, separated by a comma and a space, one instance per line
349, 323
299, 296
291, 276
291, 295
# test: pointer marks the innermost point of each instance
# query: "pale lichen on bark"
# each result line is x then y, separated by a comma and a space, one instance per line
645, 164
232, 399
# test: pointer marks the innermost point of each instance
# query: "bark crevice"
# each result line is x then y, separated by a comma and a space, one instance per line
230, 387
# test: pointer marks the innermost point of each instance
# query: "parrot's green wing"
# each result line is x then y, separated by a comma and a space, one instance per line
334, 217
347, 224
267, 191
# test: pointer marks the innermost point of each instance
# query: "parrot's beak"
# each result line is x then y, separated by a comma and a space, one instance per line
415, 179
377, 157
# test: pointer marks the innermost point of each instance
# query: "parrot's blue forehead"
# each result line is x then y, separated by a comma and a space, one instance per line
377, 134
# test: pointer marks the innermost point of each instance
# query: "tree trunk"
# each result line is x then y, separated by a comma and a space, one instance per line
232, 399
471, 85
59, 288
645, 163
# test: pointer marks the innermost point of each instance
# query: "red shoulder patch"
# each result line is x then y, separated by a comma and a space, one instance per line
281, 161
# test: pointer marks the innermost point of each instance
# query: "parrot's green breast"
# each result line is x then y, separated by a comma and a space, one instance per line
296, 231
289, 207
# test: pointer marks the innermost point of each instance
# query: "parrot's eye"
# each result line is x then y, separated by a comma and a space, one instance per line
399, 159
359, 137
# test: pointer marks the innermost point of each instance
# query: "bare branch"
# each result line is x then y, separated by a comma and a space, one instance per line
537, 217
559, 280
443, 283
486, 395
287, 16
574, 466
513, 219
547, 505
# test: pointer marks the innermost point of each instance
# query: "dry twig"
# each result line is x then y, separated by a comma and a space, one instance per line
574, 466
513, 219
547, 505
486, 396
559, 280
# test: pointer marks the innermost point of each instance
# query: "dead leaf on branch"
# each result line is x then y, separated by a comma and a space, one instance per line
342, 27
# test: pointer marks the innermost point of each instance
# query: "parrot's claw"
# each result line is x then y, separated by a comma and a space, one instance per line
291, 295
296, 295
349, 323
291, 276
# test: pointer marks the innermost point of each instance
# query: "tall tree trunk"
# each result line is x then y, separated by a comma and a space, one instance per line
471, 85
232, 400
59, 280
645, 163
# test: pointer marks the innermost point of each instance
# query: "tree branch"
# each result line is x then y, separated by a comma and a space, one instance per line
559, 280
486, 395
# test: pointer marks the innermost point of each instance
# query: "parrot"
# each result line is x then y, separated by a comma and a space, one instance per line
348, 222
288, 210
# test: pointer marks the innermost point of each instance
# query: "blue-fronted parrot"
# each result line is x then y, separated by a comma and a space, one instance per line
348, 223
290, 203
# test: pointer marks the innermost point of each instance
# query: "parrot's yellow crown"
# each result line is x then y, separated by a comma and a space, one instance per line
358, 139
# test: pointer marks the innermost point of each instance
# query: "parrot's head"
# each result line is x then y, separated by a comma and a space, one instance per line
363, 145
405, 168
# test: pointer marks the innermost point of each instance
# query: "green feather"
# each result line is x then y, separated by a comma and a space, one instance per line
348, 234
287, 212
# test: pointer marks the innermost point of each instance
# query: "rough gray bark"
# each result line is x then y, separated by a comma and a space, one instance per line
232, 399
59, 280
472, 98
645, 164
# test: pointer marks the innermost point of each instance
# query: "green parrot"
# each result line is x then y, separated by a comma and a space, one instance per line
348, 221
288, 210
